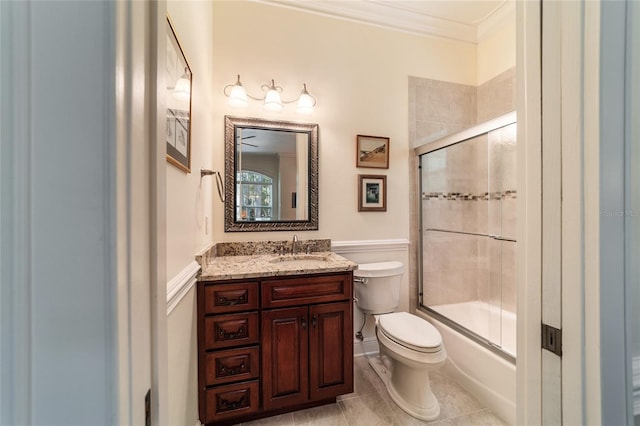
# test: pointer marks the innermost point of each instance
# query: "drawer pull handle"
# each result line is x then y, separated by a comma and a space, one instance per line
232, 405
233, 335
303, 321
230, 301
232, 371
314, 321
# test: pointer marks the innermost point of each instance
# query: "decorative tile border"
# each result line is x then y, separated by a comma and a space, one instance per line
453, 196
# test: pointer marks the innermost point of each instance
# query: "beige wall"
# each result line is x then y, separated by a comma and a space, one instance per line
359, 75
497, 51
183, 363
189, 201
188, 197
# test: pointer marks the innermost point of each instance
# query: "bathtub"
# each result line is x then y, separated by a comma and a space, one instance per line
498, 326
488, 376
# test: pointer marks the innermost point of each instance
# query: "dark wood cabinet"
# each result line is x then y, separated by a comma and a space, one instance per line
285, 357
273, 345
330, 350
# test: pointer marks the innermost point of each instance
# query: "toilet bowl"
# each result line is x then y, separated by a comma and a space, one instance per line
410, 347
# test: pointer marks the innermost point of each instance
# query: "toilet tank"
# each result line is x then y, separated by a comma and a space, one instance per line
377, 286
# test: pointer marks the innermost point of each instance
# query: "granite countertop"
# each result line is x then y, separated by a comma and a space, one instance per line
269, 263
272, 265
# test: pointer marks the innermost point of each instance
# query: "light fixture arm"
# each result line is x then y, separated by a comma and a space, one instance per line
231, 86
266, 87
238, 96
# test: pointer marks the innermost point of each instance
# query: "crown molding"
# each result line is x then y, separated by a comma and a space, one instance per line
506, 11
386, 16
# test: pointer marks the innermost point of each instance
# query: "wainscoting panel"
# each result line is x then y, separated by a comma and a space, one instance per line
370, 251
180, 285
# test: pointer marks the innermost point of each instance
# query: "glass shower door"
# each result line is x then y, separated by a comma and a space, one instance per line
502, 233
468, 221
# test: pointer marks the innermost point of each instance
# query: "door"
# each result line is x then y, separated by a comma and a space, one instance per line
82, 294
619, 225
330, 350
285, 357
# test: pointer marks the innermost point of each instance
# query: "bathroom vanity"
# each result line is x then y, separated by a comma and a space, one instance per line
274, 333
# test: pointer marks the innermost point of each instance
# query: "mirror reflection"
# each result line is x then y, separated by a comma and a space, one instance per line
271, 175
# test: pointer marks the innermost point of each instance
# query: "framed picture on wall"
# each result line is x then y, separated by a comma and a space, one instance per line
372, 151
372, 193
178, 100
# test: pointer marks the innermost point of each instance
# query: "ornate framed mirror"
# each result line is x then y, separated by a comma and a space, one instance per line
271, 175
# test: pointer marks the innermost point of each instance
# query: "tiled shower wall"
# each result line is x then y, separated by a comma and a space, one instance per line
439, 108
453, 261
497, 96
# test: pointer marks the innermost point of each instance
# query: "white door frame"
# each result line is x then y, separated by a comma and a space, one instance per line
529, 92
571, 109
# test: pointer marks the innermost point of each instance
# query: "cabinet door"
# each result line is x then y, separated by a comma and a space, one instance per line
285, 361
330, 350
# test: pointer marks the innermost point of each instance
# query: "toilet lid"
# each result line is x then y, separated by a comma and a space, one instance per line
410, 331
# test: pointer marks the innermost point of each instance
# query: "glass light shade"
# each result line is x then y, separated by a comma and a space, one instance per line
305, 103
238, 96
182, 90
272, 101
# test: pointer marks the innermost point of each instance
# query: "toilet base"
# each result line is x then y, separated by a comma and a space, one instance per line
380, 368
428, 410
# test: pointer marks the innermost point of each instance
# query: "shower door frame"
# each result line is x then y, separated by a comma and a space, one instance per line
454, 139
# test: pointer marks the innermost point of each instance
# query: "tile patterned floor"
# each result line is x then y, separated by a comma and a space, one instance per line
370, 405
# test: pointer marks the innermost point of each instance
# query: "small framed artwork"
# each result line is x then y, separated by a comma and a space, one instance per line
178, 100
372, 151
372, 193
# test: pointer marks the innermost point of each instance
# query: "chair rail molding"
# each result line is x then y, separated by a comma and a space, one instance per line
180, 285
362, 246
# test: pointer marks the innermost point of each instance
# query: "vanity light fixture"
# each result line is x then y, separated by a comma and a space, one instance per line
272, 101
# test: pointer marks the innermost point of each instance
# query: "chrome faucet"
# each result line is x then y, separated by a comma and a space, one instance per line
293, 245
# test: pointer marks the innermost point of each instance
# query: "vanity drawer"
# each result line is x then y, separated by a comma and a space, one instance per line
223, 298
232, 365
231, 400
222, 331
306, 290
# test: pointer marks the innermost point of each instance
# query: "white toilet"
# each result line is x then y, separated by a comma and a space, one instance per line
410, 346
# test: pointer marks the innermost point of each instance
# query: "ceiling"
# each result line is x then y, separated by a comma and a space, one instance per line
463, 20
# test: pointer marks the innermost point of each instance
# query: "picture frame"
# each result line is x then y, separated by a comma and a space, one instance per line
372, 152
178, 78
372, 193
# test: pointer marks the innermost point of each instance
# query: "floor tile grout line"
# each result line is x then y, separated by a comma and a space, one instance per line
344, 417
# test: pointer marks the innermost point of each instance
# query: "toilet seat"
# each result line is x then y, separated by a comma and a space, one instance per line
410, 331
